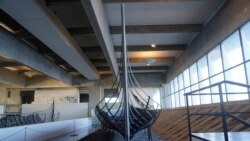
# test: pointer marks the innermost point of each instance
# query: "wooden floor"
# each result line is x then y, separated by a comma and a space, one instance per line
102, 135
219, 136
172, 124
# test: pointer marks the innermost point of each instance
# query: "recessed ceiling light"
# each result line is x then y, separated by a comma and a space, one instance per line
6, 27
153, 45
11, 68
149, 61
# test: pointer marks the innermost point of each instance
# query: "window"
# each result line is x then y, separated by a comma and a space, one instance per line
182, 98
202, 68
177, 100
173, 100
231, 50
193, 74
180, 79
245, 34
230, 60
236, 74
172, 87
84, 97
176, 88
186, 78
214, 61
248, 72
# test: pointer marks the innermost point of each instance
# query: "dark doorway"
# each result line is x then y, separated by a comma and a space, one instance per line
27, 97
84, 97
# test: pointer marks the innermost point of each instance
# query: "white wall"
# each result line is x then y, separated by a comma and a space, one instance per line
46, 131
1, 109
67, 110
2, 95
43, 96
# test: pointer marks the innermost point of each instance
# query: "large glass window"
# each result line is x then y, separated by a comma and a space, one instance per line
182, 98
173, 100
202, 68
186, 78
236, 74
248, 72
224, 62
180, 79
172, 87
193, 74
231, 50
177, 100
176, 88
245, 34
214, 61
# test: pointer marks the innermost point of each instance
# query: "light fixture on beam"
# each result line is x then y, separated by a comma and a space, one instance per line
153, 45
7, 27
30, 73
11, 68
149, 61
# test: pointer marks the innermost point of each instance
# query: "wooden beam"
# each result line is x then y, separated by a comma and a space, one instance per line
138, 60
149, 48
93, 49
138, 68
177, 28
156, 59
126, 1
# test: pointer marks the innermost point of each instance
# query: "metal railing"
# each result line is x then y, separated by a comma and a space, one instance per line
223, 113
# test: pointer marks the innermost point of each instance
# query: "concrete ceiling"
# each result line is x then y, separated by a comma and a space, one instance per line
87, 45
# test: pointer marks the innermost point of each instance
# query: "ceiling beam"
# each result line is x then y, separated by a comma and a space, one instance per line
98, 19
149, 48
125, 1
93, 49
157, 29
156, 59
15, 49
45, 25
138, 68
138, 60
10, 64
136, 29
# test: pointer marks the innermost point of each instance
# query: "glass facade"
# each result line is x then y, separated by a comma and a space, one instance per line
229, 60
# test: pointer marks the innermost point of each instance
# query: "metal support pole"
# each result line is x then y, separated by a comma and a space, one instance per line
125, 76
149, 134
188, 118
223, 113
25, 134
53, 111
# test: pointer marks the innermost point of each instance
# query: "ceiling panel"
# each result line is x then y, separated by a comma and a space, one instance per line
71, 14
161, 13
86, 40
